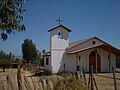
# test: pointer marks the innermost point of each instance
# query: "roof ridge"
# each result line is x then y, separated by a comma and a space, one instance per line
81, 40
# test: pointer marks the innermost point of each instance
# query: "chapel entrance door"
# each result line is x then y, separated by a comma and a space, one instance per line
92, 61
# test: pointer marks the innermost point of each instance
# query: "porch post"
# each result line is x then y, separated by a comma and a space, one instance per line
96, 60
64, 65
77, 63
109, 58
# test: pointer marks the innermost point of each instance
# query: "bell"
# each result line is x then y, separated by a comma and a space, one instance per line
59, 33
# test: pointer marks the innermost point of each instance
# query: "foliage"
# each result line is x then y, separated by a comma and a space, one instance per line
13, 57
30, 53
5, 59
4, 63
17, 61
38, 60
70, 82
11, 17
6, 56
10, 56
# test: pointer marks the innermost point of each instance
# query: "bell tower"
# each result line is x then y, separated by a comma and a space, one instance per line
59, 41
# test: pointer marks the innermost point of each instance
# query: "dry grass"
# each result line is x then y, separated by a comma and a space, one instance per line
106, 82
66, 82
70, 82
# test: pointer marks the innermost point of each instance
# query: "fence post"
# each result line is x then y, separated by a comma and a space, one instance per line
95, 83
113, 69
89, 82
19, 78
84, 77
92, 88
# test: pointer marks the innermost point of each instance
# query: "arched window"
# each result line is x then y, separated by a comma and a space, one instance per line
59, 33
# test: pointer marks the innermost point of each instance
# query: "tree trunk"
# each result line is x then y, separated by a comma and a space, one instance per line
3, 69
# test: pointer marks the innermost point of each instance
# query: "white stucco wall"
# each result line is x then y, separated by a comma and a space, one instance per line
56, 57
57, 48
105, 61
70, 61
59, 43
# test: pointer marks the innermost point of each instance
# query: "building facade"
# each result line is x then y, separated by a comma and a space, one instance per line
79, 55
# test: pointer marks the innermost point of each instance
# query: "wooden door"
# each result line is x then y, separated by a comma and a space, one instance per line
92, 61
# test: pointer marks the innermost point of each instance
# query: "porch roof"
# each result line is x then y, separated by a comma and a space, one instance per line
104, 46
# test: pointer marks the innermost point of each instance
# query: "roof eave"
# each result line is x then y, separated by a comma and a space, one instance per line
73, 52
103, 46
58, 27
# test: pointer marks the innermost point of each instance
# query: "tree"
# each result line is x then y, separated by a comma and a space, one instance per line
1, 54
30, 53
38, 63
5, 60
4, 63
13, 56
11, 17
10, 56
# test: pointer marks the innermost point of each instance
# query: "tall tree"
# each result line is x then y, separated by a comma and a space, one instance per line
1, 54
13, 56
10, 56
30, 53
11, 17
5, 60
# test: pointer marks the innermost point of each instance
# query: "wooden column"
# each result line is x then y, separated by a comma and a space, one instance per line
114, 77
109, 58
86, 61
92, 88
77, 62
96, 60
64, 65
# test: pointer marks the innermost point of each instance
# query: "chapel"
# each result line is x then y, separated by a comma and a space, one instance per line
75, 56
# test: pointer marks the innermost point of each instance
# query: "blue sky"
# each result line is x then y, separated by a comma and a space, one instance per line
86, 18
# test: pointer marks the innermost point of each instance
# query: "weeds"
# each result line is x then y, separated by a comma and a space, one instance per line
70, 82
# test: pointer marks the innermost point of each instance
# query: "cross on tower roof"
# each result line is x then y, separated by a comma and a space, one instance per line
59, 20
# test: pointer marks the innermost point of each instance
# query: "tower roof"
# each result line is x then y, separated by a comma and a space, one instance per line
60, 26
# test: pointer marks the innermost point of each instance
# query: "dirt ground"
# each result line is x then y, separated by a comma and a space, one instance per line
104, 81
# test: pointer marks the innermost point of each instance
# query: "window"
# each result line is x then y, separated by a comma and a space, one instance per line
93, 42
47, 61
59, 34
79, 58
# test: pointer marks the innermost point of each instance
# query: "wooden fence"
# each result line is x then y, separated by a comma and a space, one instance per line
22, 82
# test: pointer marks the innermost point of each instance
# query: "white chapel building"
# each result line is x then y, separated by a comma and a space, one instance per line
71, 57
